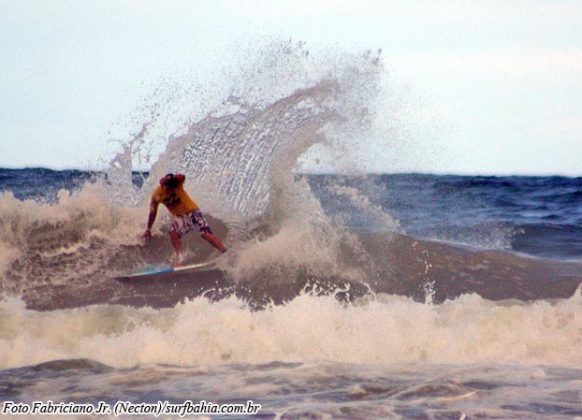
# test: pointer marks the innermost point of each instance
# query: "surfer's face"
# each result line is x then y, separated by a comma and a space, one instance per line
169, 182
168, 189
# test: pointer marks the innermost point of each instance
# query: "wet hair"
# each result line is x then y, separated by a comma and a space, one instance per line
170, 181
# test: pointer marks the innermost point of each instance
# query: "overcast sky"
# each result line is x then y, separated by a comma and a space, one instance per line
504, 77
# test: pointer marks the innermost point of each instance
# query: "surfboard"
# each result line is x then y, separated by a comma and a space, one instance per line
157, 270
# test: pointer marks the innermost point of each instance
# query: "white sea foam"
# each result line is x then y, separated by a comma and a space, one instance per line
65, 241
384, 331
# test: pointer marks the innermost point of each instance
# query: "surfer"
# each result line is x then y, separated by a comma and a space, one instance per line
186, 215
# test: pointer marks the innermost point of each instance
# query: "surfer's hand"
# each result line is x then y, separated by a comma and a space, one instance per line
147, 235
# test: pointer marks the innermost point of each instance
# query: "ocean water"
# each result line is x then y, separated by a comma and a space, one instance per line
342, 296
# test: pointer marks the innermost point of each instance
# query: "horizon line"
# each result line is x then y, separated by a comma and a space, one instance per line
354, 173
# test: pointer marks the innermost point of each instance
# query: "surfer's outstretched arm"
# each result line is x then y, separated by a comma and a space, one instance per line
151, 219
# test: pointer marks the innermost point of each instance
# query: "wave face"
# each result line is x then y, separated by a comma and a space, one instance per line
338, 233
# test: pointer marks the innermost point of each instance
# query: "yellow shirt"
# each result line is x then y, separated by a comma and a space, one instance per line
178, 201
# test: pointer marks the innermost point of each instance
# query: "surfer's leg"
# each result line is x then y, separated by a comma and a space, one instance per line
177, 244
177, 228
206, 232
214, 241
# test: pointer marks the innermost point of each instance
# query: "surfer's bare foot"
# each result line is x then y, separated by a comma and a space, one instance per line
177, 260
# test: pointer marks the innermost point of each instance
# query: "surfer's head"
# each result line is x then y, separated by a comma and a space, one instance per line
171, 181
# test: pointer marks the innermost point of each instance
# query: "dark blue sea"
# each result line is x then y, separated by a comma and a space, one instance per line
537, 216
